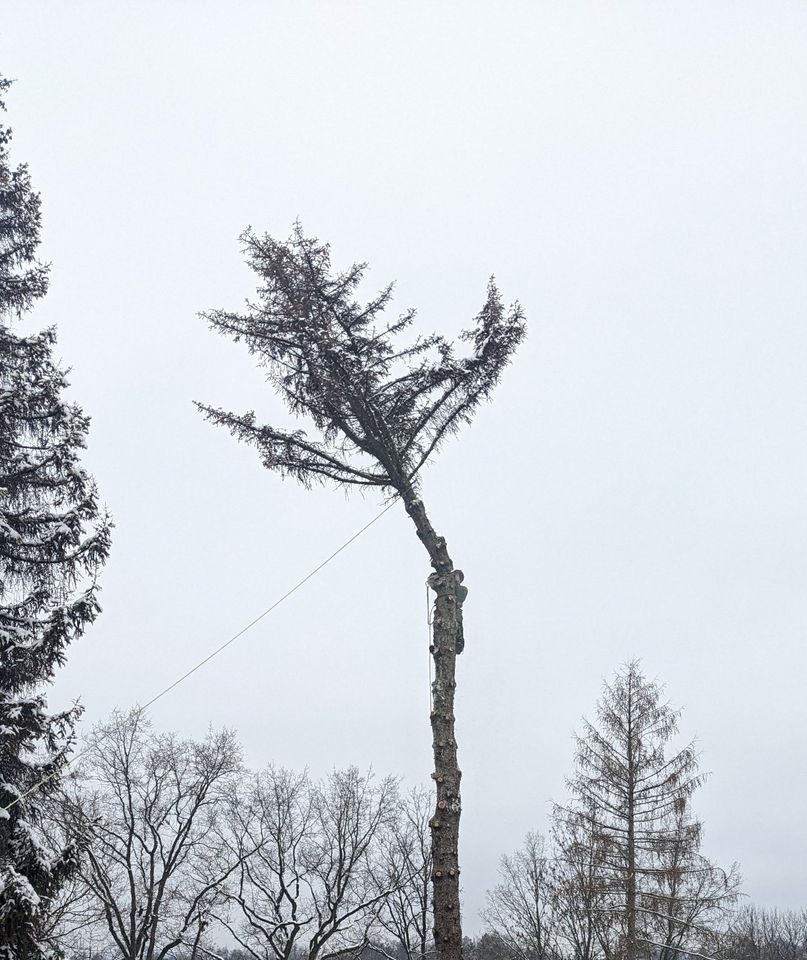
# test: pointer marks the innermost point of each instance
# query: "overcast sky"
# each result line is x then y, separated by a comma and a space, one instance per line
634, 174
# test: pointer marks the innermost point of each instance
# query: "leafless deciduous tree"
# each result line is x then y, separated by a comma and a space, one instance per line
307, 881
520, 907
406, 870
148, 803
757, 934
380, 406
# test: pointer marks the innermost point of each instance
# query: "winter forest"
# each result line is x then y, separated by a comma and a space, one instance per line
351, 704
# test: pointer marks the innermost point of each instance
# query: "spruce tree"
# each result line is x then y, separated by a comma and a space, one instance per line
380, 403
54, 538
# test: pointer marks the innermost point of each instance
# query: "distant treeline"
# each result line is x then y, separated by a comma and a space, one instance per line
183, 849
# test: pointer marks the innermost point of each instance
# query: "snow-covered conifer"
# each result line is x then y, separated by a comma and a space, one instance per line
54, 538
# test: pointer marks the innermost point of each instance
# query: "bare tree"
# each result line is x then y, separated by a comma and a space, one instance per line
381, 407
757, 934
306, 882
519, 908
148, 803
406, 870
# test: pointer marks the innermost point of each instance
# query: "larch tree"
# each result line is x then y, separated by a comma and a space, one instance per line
630, 797
54, 539
688, 896
381, 403
580, 901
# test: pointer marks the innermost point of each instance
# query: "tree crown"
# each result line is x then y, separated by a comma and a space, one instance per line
381, 405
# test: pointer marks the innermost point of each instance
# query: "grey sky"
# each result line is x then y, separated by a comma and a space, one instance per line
634, 173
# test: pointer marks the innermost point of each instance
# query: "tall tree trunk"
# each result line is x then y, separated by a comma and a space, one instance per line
445, 823
631, 951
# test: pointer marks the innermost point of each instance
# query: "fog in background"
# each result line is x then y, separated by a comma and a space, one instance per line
633, 173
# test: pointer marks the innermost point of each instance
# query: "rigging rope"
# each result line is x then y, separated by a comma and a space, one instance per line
171, 686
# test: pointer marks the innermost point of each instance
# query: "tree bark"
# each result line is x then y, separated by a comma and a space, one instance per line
445, 823
631, 945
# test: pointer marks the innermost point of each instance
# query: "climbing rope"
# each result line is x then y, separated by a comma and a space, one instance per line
428, 649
